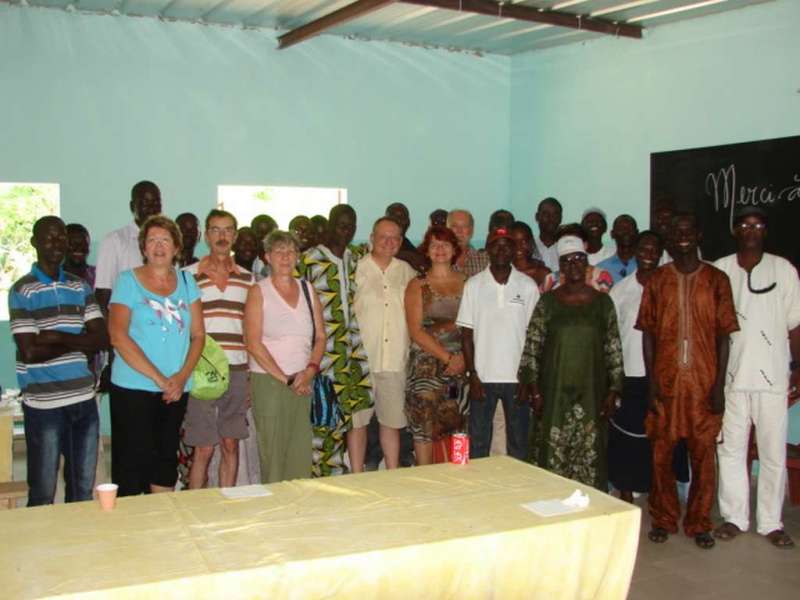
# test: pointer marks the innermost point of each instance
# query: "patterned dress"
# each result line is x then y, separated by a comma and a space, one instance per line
436, 404
575, 354
344, 360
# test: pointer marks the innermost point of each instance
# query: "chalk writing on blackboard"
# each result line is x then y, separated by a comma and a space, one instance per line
727, 193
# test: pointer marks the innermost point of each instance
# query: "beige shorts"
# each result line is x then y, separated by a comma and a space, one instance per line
389, 390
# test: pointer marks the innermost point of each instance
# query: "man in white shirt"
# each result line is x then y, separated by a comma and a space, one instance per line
594, 223
495, 309
548, 218
381, 281
119, 250
629, 452
763, 369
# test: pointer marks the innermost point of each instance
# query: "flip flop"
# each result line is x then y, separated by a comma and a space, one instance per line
727, 531
704, 540
780, 539
658, 535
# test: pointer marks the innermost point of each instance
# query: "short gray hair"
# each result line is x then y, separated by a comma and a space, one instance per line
461, 210
280, 238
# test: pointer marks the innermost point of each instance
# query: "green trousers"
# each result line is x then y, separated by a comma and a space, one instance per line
283, 427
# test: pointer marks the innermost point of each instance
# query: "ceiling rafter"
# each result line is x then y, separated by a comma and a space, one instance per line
337, 17
501, 10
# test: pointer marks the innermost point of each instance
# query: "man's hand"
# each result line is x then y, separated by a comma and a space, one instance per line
794, 386
50, 336
717, 400
653, 401
475, 388
523, 394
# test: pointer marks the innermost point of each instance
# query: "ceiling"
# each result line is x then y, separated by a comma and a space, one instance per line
412, 23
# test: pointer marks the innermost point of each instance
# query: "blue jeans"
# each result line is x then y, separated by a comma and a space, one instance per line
481, 417
50, 432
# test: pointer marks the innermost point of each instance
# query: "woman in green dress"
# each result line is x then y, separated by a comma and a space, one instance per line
572, 363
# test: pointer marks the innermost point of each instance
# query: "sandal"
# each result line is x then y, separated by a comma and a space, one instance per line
780, 539
704, 540
727, 531
658, 535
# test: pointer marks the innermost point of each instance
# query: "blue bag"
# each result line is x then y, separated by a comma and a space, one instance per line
325, 410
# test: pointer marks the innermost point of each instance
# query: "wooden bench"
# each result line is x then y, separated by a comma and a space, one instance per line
10, 492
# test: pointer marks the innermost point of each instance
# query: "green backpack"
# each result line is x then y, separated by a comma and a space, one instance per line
211, 375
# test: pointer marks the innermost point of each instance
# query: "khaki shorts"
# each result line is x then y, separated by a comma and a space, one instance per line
208, 421
389, 390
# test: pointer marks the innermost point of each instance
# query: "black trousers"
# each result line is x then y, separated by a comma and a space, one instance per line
144, 439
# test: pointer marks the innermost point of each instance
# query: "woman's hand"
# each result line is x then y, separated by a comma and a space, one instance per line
456, 365
609, 406
173, 388
537, 401
302, 381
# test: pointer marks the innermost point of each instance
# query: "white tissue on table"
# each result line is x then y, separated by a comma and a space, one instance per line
577, 500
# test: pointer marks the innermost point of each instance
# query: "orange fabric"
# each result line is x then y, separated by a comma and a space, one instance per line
665, 508
216, 273
685, 314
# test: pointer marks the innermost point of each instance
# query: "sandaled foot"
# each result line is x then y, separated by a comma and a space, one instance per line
658, 535
704, 540
727, 531
780, 539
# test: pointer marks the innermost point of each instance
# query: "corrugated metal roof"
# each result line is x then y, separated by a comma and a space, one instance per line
408, 23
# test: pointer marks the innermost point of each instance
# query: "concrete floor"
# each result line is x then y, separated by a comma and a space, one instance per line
745, 568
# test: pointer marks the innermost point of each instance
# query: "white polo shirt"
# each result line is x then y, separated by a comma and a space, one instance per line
498, 316
118, 252
759, 356
379, 304
627, 297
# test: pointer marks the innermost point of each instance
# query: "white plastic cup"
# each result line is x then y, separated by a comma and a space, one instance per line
107, 495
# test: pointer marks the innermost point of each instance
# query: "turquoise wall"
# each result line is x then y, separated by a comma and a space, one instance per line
97, 103
586, 117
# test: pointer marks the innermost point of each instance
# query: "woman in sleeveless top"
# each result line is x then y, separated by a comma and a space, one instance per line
278, 330
435, 391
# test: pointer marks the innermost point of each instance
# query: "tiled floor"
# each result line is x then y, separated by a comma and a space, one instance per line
746, 568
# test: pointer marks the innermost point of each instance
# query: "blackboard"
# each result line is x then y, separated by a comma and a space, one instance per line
712, 182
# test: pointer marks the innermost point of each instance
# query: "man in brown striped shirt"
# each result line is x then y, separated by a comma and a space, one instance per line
223, 287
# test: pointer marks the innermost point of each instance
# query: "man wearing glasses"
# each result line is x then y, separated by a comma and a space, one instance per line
763, 369
223, 288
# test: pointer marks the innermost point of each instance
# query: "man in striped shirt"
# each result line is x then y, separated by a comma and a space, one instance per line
223, 287
56, 323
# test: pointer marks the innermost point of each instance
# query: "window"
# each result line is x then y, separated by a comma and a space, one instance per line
280, 203
21, 205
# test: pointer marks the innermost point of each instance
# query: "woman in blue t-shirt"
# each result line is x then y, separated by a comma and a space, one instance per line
156, 328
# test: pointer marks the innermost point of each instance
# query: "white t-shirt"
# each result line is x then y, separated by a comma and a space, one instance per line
606, 251
627, 297
549, 254
498, 316
118, 252
759, 356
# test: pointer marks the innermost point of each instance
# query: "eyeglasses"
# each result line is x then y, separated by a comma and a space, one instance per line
751, 226
220, 230
578, 257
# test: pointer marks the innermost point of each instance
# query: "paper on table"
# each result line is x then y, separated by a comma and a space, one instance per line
245, 491
577, 501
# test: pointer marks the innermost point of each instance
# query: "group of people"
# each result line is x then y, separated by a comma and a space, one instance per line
604, 358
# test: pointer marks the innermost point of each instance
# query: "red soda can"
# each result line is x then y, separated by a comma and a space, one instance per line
459, 448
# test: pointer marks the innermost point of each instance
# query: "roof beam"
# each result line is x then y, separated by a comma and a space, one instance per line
536, 15
337, 17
